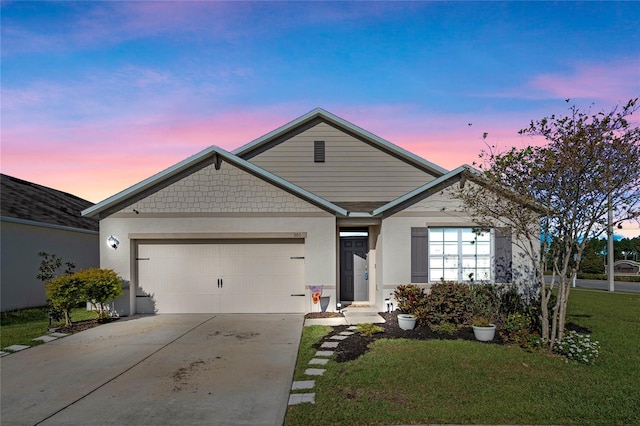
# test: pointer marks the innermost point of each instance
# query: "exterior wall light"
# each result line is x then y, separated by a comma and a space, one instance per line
113, 242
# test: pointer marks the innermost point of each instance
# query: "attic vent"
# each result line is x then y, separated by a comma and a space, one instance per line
318, 151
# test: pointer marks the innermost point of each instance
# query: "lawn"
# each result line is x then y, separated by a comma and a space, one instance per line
440, 381
21, 327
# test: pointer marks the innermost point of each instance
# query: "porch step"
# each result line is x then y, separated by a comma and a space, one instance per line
362, 317
360, 308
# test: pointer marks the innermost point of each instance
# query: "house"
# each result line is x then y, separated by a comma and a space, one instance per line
39, 219
316, 202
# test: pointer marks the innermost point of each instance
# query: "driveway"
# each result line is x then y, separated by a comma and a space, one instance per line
157, 370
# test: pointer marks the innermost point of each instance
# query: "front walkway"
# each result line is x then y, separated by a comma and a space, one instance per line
352, 315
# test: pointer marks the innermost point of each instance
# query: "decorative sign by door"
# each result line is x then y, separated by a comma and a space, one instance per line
316, 293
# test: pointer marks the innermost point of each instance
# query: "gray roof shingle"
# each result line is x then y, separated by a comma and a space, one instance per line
29, 201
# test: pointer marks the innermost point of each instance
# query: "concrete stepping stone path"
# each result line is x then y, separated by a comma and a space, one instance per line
46, 338
299, 398
303, 384
16, 348
322, 357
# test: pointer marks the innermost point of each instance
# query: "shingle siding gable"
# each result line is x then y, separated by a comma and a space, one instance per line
226, 190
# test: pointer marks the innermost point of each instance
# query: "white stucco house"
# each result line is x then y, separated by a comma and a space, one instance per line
37, 219
316, 202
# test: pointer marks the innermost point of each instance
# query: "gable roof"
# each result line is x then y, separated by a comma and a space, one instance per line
460, 174
27, 201
211, 155
215, 155
424, 191
319, 115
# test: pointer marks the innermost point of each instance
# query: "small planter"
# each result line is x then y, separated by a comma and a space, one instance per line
484, 334
407, 321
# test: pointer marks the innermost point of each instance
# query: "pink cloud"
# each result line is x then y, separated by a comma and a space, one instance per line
613, 83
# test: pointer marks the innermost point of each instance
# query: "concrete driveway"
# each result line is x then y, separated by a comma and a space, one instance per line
157, 370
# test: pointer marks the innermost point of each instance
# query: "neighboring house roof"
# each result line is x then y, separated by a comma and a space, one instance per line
211, 155
319, 115
24, 201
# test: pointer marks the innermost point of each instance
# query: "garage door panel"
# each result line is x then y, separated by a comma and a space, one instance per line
256, 277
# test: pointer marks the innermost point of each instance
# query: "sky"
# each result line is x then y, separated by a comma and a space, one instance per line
97, 96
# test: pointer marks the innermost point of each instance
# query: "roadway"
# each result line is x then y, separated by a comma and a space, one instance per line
623, 286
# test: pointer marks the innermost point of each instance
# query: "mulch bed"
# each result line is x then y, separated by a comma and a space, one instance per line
356, 345
83, 325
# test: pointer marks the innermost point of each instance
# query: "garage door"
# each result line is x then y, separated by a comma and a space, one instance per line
221, 277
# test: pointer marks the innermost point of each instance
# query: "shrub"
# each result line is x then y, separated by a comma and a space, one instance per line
65, 292
516, 329
369, 329
578, 347
444, 328
409, 298
485, 300
481, 321
101, 286
511, 302
447, 303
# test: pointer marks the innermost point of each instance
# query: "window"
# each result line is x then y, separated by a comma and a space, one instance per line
454, 253
460, 254
318, 151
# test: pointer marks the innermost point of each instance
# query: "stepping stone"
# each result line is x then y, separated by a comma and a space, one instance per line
338, 337
16, 348
347, 333
329, 345
3, 353
314, 371
300, 398
320, 361
324, 353
46, 338
303, 384
352, 327
58, 334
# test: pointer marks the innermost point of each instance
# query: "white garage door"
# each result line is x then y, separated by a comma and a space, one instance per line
221, 277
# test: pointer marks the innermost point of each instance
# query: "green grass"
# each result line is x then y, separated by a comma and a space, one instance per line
310, 336
21, 327
463, 382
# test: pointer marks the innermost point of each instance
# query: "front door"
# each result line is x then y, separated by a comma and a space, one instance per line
354, 276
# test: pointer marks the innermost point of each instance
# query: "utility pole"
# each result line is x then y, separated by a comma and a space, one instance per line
610, 245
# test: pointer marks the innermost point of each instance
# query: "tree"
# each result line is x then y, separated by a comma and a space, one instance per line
101, 286
65, 292
590, 164
50, 265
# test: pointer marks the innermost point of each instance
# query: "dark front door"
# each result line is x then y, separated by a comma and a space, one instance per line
353, 269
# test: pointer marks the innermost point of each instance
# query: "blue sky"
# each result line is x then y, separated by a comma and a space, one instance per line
97, 96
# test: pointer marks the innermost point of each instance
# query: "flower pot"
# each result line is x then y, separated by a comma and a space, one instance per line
484, 334
407, 321
324, 303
